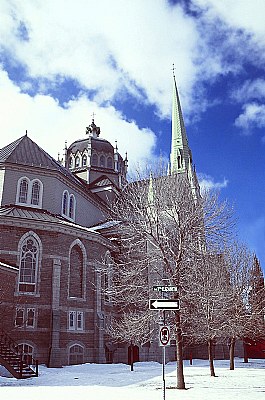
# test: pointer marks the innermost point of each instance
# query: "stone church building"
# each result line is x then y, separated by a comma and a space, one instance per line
52, 234
50, 241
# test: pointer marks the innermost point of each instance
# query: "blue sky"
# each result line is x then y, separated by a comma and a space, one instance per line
62, 60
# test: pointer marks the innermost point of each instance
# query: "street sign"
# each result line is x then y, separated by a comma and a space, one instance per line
165, 288
164, 304
164, 336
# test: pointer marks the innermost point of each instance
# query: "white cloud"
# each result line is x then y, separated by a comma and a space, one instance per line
50, 125
247, 15
107, 47
250, 90
233, 32
207, 182
253, 116
104, 45
111, 49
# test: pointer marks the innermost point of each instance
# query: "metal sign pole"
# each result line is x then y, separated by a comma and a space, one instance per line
164, 331
163, 372
164, 361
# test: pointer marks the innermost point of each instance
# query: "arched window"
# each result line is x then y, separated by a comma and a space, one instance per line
25, 317
109, 162
95, 160
29, 192
23, 191
65, 203
75, 320
77, 161
72, 206
76, 272
29, 261
102, 161
76, 354
68, 205
19, 320
84, 160
35, 193
71, 162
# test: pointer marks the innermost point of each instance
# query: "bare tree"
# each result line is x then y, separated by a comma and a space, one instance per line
206, 303
245, 315
166, 229
133, 327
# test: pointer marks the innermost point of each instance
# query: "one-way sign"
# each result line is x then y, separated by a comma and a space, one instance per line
164, 304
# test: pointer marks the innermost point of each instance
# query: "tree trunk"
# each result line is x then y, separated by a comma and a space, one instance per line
180, 373
210, 354
232, 353
131, 353
245, 352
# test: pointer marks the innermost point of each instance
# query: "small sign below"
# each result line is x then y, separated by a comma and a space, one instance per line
164, 304
164, 336
165, 288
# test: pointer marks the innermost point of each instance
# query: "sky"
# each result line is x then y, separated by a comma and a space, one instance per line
63, 60
116, 381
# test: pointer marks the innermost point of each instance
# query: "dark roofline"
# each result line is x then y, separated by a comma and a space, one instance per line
55, 166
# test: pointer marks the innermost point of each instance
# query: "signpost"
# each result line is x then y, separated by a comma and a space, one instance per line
165, 289
164, 331
164, 340
164, 304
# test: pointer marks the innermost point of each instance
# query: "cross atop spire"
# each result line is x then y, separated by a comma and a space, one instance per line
92, 129
173, 69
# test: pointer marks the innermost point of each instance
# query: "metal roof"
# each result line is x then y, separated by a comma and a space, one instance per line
98, 144
39, 215
24, 151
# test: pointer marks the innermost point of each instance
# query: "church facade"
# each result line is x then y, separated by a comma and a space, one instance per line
50, 243
53, 232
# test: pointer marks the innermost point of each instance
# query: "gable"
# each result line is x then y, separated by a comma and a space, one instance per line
24, 151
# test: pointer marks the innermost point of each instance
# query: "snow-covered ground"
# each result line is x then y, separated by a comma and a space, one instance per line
116, 381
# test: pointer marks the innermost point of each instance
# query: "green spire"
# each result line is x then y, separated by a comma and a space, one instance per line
180, 156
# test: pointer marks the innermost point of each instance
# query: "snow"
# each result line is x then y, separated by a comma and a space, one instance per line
116, 381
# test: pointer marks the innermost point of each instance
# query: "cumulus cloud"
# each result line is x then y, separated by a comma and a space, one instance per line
105, 46
109, 51
250, 90
207, 182
253, 115
245, 15
50, 124
234, 33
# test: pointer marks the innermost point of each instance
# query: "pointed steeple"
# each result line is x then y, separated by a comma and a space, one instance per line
180, 156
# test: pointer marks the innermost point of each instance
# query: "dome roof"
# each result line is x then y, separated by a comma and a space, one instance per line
100, 145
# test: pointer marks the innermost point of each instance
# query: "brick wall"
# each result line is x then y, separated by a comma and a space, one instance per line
55, 245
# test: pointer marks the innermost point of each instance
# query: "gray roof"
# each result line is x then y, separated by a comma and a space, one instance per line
24, 151
106, 225
39, 215
101, 145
